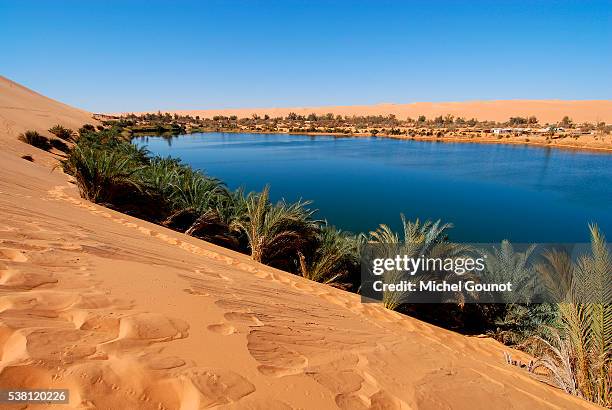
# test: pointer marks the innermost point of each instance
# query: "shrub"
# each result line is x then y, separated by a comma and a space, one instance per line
417, 239
194, 190
215, 224
276, 230
577, 357
35, 139
100, 174
86, 129
335, 256
160, 176
27, 158
511, 322
62, 133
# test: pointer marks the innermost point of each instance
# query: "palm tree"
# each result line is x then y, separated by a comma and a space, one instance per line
63, 133
277, 229
216, 224
578, 357
196, 191
35, 139
160, 175
504, 264
185, 196
100, 173
336, 255
428, 239
517, 317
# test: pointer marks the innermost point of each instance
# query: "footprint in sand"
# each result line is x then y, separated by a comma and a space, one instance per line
302, 286
196, 292
222, 328
248, 268
262, 275
209, 273
146, 231
276, 359
152, 326
217, 387
12, 255
14, 278
242, 318
165, 363
167, 239
280, 278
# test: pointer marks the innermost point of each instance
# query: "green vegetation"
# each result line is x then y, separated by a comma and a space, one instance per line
566, 122
274, 231
35, 139
109, 169
62, 133
515, 322
416, 239
46, 144
577, 353
101, 175
334, 258
573, 339
169, 125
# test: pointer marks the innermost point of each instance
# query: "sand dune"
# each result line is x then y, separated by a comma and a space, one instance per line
22, 109
130, 315
550, 111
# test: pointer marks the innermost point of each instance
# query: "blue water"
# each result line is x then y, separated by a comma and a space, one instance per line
489, 192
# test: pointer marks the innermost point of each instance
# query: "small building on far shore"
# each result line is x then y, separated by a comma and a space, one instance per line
499, 131
510, 130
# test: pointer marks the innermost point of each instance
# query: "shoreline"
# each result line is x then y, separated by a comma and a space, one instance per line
446, 139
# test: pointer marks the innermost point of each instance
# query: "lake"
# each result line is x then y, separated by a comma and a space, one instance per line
489, 192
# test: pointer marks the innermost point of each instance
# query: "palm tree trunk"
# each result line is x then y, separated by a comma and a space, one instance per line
256, 254
257, 249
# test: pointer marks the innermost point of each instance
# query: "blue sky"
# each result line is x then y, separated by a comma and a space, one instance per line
131, 56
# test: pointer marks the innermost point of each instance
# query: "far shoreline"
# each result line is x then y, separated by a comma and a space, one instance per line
514, 141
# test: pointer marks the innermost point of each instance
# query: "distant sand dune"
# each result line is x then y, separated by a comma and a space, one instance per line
22, 108
545, 110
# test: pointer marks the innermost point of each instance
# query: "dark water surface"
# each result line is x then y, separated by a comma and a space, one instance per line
489, 192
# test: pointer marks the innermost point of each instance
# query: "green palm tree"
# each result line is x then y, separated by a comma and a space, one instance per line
63, 133
428, 239
100, 173
517, 318
504, 264
336, 255
277, 229
578, 356
35, 139
160, 176
196, 191
217, 223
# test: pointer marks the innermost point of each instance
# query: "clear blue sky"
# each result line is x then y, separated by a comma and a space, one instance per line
135, 55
